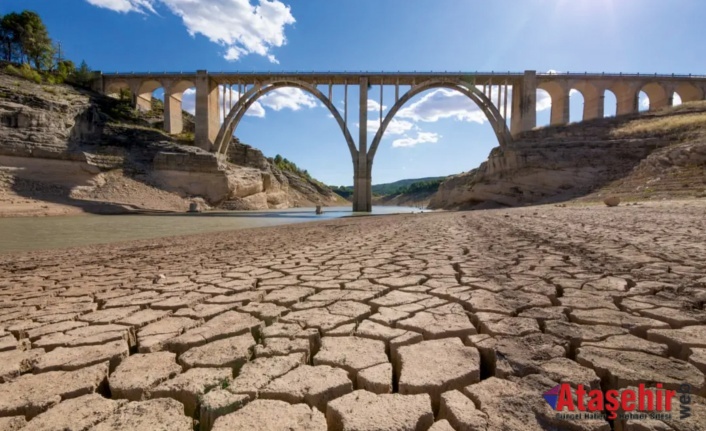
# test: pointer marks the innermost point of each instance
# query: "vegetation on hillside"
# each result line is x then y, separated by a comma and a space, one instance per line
401, 186
283, 164
678, 119
345, 192
29, 52
411, 186
428, 186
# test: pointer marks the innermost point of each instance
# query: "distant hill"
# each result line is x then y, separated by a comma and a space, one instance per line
400, 186
414, 185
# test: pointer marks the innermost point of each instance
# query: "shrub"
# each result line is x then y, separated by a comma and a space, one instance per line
26, 72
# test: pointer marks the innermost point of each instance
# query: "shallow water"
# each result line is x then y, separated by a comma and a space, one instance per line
33, 233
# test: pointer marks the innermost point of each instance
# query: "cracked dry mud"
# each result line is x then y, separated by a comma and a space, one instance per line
449, 321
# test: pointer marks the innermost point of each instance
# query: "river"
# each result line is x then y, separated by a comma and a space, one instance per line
37, 233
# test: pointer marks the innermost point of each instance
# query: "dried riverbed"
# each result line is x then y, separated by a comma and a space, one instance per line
442, 321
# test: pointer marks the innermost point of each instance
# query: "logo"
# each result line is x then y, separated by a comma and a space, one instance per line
643, 403
552, 396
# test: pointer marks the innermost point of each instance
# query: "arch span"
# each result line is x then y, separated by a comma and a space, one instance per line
143, 94
657, 95
491, 112
689, 93
559, 99
113, 88
610, 103
251, 96
173, 105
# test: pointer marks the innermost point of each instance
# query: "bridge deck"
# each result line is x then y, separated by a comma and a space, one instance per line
390, 78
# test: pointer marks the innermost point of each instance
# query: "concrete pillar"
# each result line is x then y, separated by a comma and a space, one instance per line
207, 123
143, 102
173, 123
593, 107
362, 174
524, 103
560, 108
627, 97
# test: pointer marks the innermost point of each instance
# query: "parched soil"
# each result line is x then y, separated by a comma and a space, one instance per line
442, 321
112, 193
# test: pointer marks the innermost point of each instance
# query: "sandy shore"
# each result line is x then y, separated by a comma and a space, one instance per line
457, 320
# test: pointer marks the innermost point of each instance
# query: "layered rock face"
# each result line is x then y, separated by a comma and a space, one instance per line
588, 160
72, 146
244, 180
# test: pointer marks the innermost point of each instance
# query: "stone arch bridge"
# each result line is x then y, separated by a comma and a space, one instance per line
507, 99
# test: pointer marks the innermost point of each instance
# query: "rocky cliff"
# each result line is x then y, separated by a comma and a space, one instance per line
76, 149
645, 156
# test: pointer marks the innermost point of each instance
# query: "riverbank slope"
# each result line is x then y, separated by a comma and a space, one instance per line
67, 150
647, 156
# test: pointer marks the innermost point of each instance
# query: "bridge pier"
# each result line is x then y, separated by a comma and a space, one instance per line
524, 103
207, 121
173, 122
362, 169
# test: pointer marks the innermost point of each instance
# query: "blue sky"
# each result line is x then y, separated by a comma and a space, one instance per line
439, 133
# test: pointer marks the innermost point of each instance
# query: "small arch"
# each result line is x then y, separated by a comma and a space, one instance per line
676, 99
496, 120
118, 89
626, 95
689, 93
656, 96
588, 102
251, 96
174, 105
545, 108
610, 104
643, 102
577, 106
552, 95
143, 94
180, 86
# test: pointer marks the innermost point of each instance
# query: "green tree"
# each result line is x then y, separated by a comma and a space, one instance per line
11, 29
25, 38
82, 75
36, 43
65, 69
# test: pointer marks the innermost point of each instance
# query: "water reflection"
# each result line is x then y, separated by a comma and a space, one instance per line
21, 234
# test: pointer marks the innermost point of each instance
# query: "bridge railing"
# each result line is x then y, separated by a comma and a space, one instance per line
412, 73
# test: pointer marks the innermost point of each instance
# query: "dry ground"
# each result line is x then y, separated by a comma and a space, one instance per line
451, 321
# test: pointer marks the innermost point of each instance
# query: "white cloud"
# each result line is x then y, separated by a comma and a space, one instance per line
256, 110
374, 106
442, 103
124, 6
421, 138
676, 100
241, 27
288, 98
544, 100
395, 127
188, 101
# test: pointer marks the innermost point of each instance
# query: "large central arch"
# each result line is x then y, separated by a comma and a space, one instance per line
484, 103
251, 96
